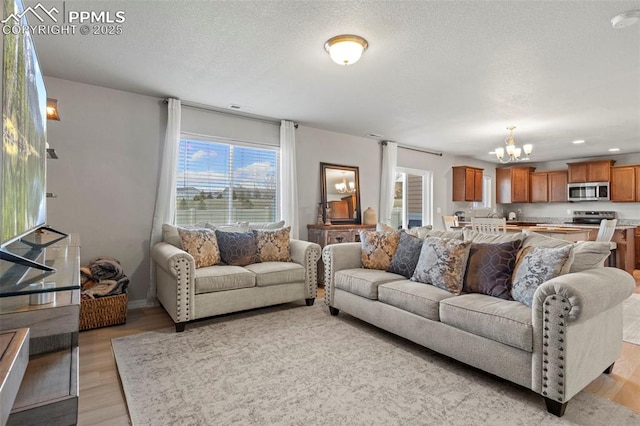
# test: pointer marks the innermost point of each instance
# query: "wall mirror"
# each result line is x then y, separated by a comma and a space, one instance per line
340, 193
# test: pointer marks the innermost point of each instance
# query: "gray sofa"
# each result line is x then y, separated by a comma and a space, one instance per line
188, 294
570, 335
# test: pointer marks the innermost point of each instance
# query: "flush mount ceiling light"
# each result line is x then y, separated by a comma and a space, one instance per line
346, 49
625, 19
513, 151
52, 109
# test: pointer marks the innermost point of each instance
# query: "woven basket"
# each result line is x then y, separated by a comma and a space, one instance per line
103, 311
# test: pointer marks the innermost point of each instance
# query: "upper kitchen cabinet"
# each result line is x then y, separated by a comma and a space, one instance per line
467, 183
513, 184
625, 183
590, 171
548, 187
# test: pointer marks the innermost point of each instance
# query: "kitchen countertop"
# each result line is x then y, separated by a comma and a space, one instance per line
583, 226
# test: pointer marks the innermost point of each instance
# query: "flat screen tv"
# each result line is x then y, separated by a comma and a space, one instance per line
24, 120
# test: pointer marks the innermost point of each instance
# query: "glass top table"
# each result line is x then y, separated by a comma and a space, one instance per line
63, 255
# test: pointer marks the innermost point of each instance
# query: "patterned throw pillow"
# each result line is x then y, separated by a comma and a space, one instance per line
202, 244
534, 266
378, 248
407, 254
490, 268
273, 245
237, 248
442, 263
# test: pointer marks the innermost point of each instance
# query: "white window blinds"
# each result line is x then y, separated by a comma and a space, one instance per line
221, 182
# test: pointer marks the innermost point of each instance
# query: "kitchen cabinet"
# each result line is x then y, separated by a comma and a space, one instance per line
637, 247
558, 186
590, 171
624, 182
513, 184
539, 187
467, 183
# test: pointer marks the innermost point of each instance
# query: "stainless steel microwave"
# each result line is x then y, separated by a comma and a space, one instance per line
588, 191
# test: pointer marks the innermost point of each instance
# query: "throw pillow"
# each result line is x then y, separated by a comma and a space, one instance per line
378, 248
420, 231
405, 259
490, 268
170, 235
442, 263
589, 255
534, 266
202, 244
273, 245
237, 248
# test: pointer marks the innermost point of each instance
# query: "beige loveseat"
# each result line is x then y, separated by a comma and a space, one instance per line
569, 336
188, 293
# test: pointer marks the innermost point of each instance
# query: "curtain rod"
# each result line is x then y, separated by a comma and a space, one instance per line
413, 148
209, 108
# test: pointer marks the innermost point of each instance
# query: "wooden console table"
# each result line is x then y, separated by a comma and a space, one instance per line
334, 234
49, 390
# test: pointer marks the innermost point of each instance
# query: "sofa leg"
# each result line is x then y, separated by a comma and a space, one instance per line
180, 327
334, 311
554, 407
609, 369
310, 301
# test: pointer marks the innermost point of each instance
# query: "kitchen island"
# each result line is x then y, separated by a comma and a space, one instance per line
624, 237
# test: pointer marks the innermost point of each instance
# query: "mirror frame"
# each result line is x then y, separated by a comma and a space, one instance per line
323, 189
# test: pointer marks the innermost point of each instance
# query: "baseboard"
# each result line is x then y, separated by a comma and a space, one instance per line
137, 304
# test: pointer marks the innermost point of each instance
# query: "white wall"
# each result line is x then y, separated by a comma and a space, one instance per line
314, 146
560, 212
108, 143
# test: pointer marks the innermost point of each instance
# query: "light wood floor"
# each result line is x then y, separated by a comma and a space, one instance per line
102, 400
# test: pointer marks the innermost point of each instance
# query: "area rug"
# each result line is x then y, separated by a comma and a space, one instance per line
297, 365
631, 319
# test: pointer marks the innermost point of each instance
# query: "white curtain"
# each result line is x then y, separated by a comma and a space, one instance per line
288, 176
166, 192
388, 180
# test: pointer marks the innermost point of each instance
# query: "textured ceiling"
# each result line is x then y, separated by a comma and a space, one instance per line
443, 75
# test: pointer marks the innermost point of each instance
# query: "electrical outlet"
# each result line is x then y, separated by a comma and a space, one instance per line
438, 210
568, 211
519, 211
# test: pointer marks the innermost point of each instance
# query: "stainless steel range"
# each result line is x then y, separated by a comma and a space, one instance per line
589, 217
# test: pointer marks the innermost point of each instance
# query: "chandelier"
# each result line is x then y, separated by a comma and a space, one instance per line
513, 151
344, 187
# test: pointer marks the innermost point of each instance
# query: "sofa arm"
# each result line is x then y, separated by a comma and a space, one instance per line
307, 254
175, 280
337, 257
587, 293
577, 329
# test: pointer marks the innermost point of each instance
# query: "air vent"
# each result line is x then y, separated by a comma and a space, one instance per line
237, 107
374, 135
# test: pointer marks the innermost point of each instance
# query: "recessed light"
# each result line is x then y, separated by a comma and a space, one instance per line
492, 153
614, 149
578, 141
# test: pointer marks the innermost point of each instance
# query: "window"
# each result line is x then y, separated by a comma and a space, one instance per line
219, 182
486, 194
413, 198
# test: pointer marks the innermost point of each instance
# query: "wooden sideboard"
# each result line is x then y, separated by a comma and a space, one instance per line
334, 234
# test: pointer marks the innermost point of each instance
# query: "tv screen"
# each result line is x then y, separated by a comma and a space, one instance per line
24, 102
